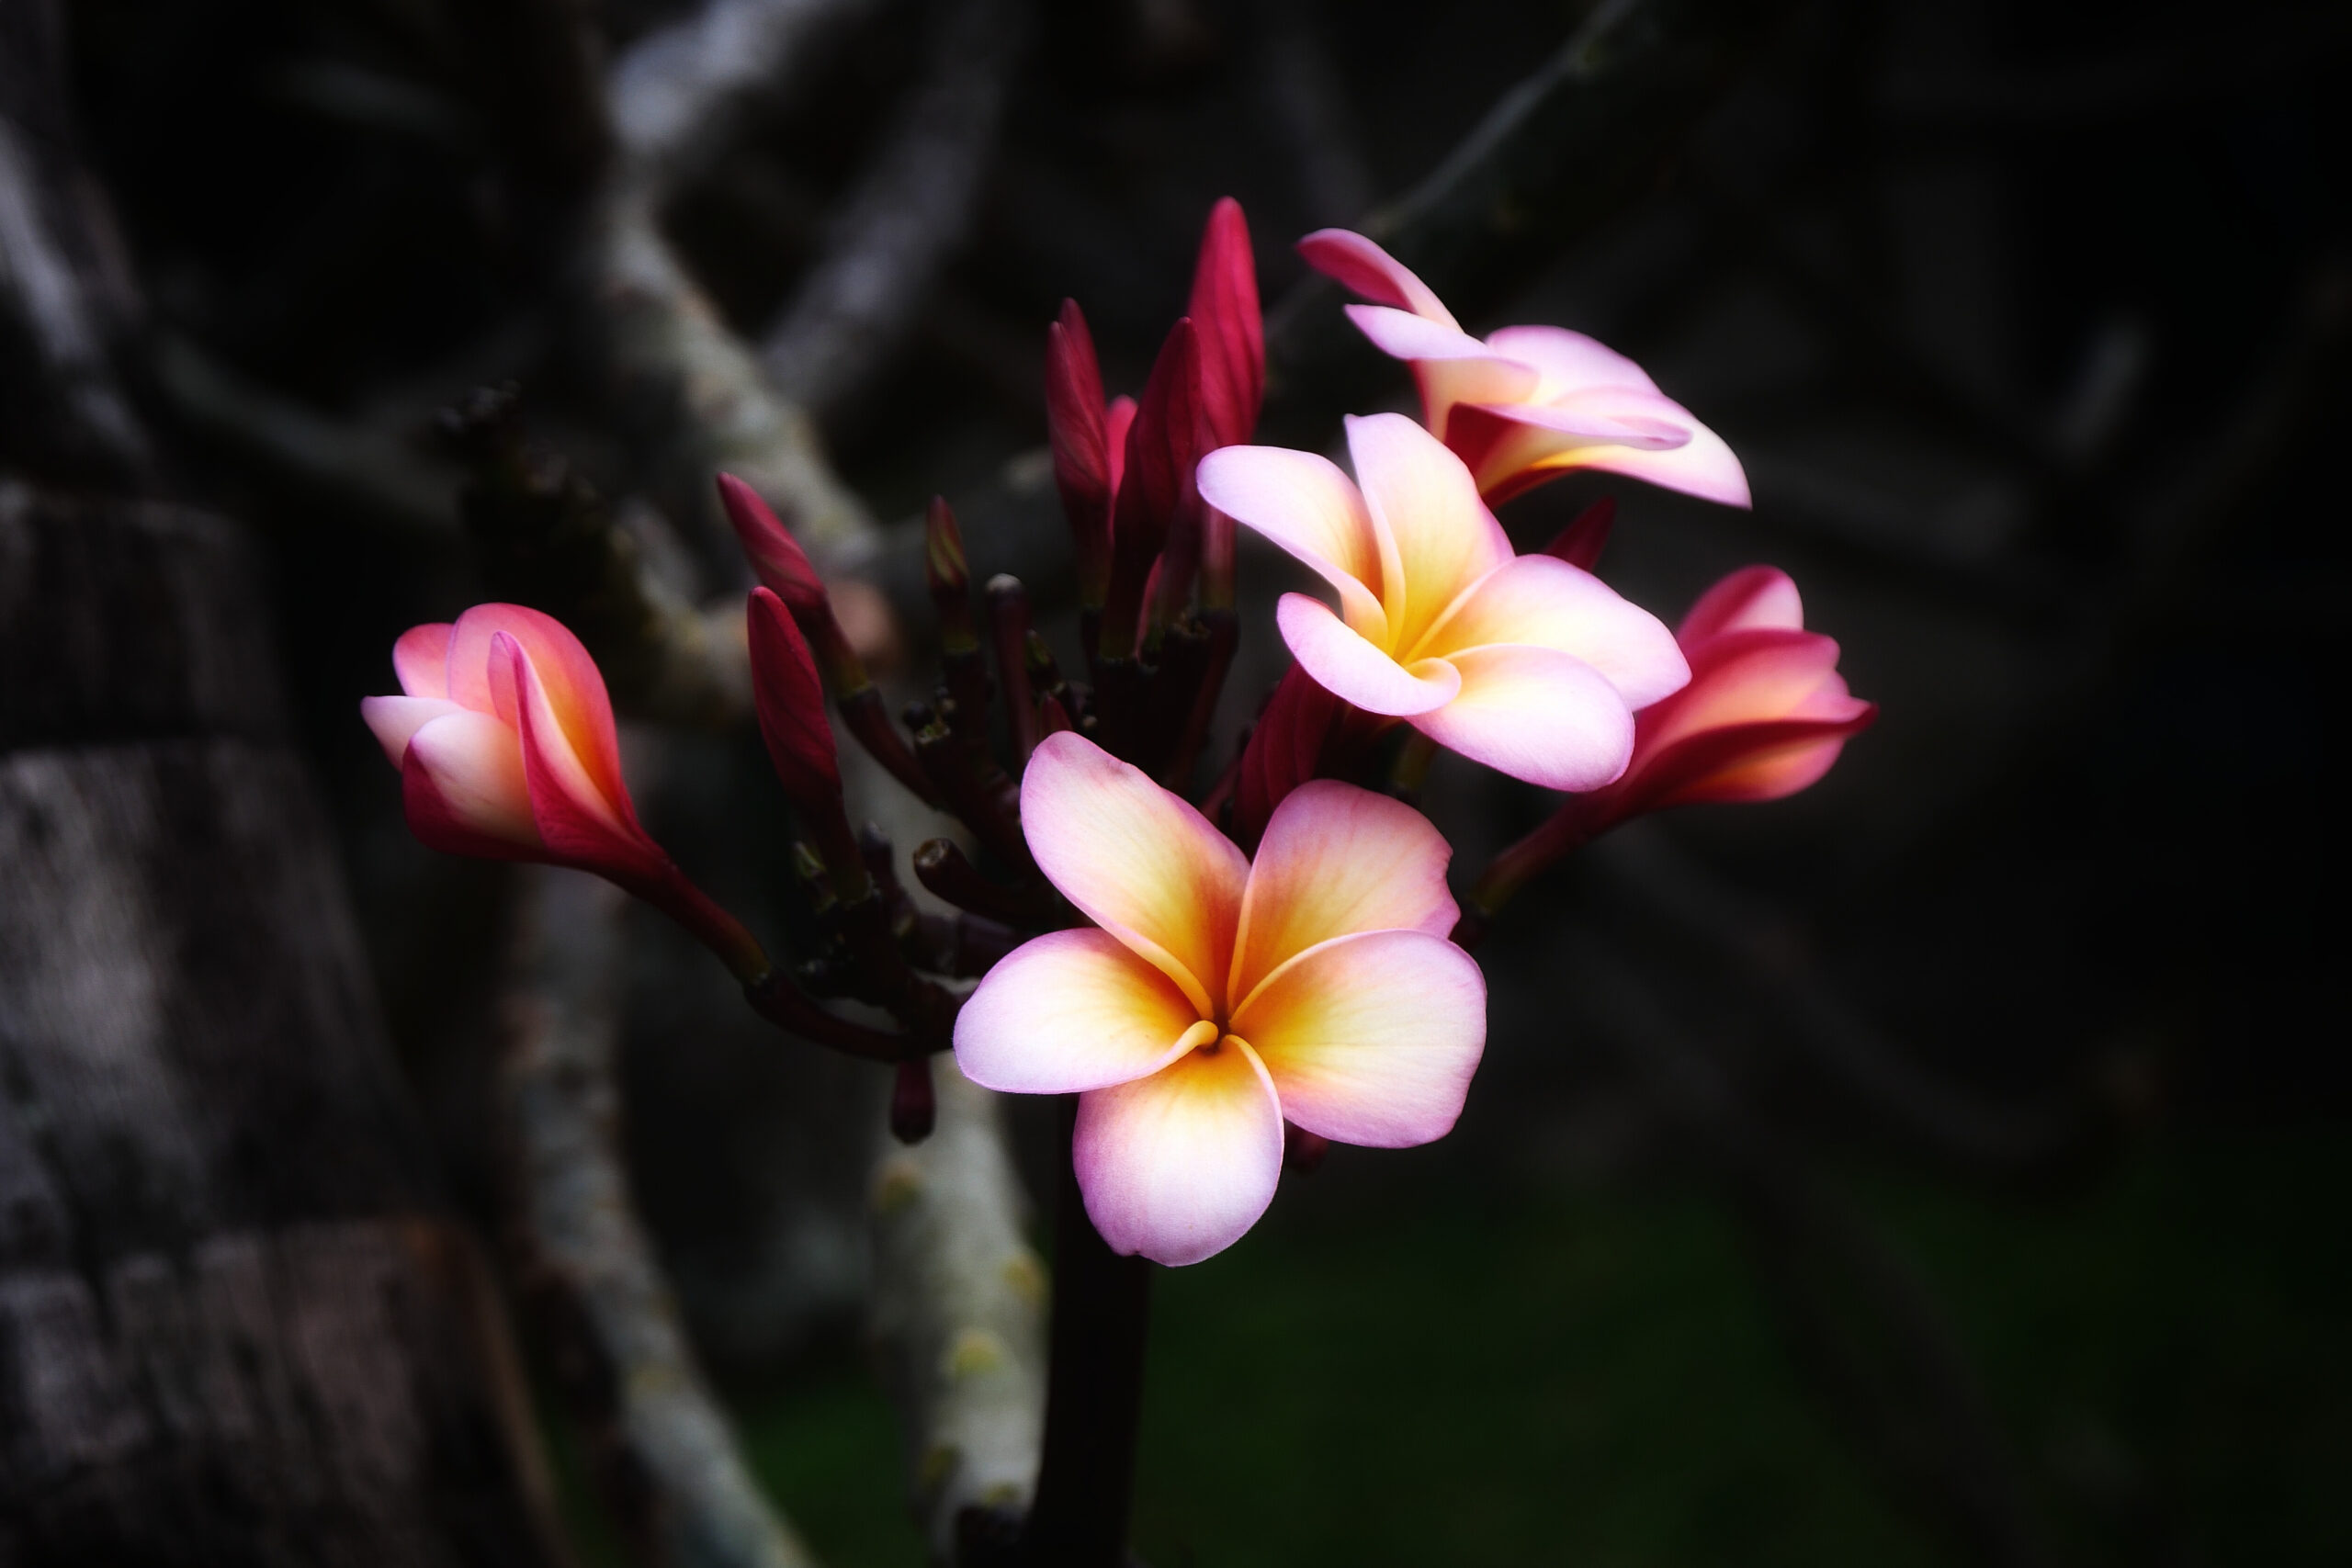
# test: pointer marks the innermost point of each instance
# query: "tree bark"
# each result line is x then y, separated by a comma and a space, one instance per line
238, 1321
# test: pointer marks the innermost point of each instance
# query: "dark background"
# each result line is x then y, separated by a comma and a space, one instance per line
1958, 1142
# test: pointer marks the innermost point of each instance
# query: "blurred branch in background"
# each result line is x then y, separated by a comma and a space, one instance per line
662, 1452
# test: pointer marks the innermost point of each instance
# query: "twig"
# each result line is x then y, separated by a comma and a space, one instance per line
1307, 100
1574, 145
660, 1443
682, 91
958, 1318
62, 407
860, 302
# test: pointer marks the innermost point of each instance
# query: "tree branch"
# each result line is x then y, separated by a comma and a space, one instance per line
662, 1450
910, 212
957, 1315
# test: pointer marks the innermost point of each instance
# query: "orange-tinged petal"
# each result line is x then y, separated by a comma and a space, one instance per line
1177, 1166
1138, 860
1425, 513
1536, 714
1304, 504
1347, 665
1538, 602
1073, 1011
1753, 677
575, 689
579, 824
1336, 859
1514, 449
1372, 1038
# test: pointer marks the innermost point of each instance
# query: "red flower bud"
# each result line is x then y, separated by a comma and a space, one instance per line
1224, 306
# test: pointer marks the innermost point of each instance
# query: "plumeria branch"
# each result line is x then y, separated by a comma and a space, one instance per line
661, 1448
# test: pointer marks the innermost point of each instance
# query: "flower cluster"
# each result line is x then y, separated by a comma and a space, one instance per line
1281, 960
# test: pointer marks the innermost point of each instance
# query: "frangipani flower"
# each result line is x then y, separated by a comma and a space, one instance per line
504, 738
1526, 663
1527, 404
1214, 998
1766, 711
1765, 714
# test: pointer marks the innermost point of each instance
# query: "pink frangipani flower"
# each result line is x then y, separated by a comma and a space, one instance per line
1765, 714
1526, 404
1766, 711
504, 738
1526, 663
1213, 998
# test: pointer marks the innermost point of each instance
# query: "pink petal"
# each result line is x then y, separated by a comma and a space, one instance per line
579, 823
1372, 1039
1072, 1010
1745, 762
1356, 264
1137, 860
1753, 596
1536, 714
1402, 334
1424, 505
463, 787
420, 660
775, 556
1567, 361
1539, 601
1514, 449
1355, 671
1751, 677
1336, 859
1177, 1166
1223, 305
575, 688
789, 699
395, 719
1304, 504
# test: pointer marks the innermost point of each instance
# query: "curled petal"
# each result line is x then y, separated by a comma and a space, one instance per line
1138, 860
1304, 504
1451, 365
581, 711
1751, 677
578, 821
1752, 597
1336, 859
463, 788
1539, 601
394, 719
1536, 714
1177, 1166
1426, 512
1567, 361
1356, 264
420, 660
1372, 1039
1745, 762
1514, 449
1358, 672
1072, 1010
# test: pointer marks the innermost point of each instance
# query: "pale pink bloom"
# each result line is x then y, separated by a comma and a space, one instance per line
1213, 998
504, 738
1766, 711
1526, 404
1526, 663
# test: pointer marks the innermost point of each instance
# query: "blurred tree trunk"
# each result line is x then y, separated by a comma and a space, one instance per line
239, 1324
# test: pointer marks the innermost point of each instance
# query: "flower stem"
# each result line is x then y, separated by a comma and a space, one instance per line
1094, 1389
